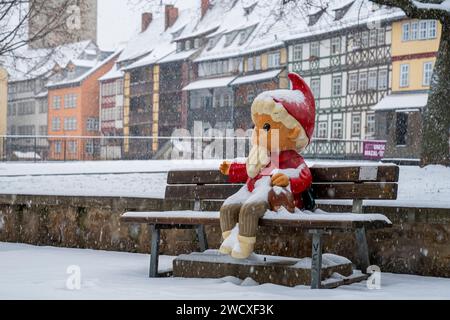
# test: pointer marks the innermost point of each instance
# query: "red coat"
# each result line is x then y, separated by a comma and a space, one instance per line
289, 159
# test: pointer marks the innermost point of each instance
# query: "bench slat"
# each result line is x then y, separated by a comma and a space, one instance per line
367, 191
320, 174
306, 224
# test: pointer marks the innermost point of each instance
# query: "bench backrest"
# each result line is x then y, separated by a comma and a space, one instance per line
340, 182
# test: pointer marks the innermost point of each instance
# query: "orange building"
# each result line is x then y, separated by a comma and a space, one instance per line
73, 108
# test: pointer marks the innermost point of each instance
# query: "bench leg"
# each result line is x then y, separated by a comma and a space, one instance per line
201, 236
154, 255
316, 259
362, 249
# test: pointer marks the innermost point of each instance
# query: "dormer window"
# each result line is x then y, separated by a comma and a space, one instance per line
340, 13
313, 18
229, 38
248, 10
212, 42
245, 34
179, 46
187, 45
196, 43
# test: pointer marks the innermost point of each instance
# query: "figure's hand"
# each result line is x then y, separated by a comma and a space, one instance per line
280, 180
225, 167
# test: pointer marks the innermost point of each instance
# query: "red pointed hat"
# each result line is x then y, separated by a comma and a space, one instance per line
303, 110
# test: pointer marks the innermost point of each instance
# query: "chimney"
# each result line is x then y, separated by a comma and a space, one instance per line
205, 6
146, 19
171, 15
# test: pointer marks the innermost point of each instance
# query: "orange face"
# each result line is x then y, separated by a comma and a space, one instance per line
275, 136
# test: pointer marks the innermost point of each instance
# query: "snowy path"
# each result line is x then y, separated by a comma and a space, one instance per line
28, 272
418, 187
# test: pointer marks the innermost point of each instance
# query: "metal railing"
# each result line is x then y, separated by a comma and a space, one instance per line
82, 148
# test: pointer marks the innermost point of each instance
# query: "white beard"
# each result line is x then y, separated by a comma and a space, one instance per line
258, 159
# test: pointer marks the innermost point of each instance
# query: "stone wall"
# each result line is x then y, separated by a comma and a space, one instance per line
418, 243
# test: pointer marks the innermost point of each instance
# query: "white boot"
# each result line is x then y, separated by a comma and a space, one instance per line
226, 247
244, 248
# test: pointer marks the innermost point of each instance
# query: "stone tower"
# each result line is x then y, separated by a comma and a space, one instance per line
72, 21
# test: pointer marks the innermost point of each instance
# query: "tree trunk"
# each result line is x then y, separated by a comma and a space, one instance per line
435, 144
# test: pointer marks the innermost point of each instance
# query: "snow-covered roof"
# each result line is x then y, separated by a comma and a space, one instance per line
361, 12
156, 42
88, 71
176, 56
26, 63
209, 83
256, 77
398, 101
114, 73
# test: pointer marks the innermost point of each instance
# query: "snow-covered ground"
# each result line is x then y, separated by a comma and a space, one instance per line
28, 272
418, 187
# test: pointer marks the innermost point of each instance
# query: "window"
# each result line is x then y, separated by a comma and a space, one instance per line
373, 38
365, 39
42, 130
72, 146
250, 95
401, 128
196, 43
381, 37
89, 147
432, 29
70, 124
56, 102
56, 124
322, 131
427, 73
372, 83
43, 106
414, 30
187, 45
217, 100
229, 37
315, 88
356, 125
26, 108
353, 82
404, 75
336, 90
382, 79
92, 124
335, 46
226, 100
423, 29
406, 31
297, 52
370, 125
70, 101
258, 63
179, 46
245, 34
58, 146
206, 102
25, 130
362, 85
337, 129
274, 60
315, 49
250, 64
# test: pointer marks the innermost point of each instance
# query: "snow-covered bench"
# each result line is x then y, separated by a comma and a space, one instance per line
207, 189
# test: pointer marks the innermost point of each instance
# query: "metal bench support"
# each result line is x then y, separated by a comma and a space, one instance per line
362, 250
154, 255
316, 259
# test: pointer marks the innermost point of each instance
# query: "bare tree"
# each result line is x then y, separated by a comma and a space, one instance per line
437, 112
24, 22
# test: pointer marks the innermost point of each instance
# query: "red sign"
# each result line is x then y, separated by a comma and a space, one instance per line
374, 150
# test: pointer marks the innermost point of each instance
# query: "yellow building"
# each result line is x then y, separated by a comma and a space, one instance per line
415, 44
3, 106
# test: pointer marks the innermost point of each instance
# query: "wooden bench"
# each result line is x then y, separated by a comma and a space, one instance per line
207, 189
